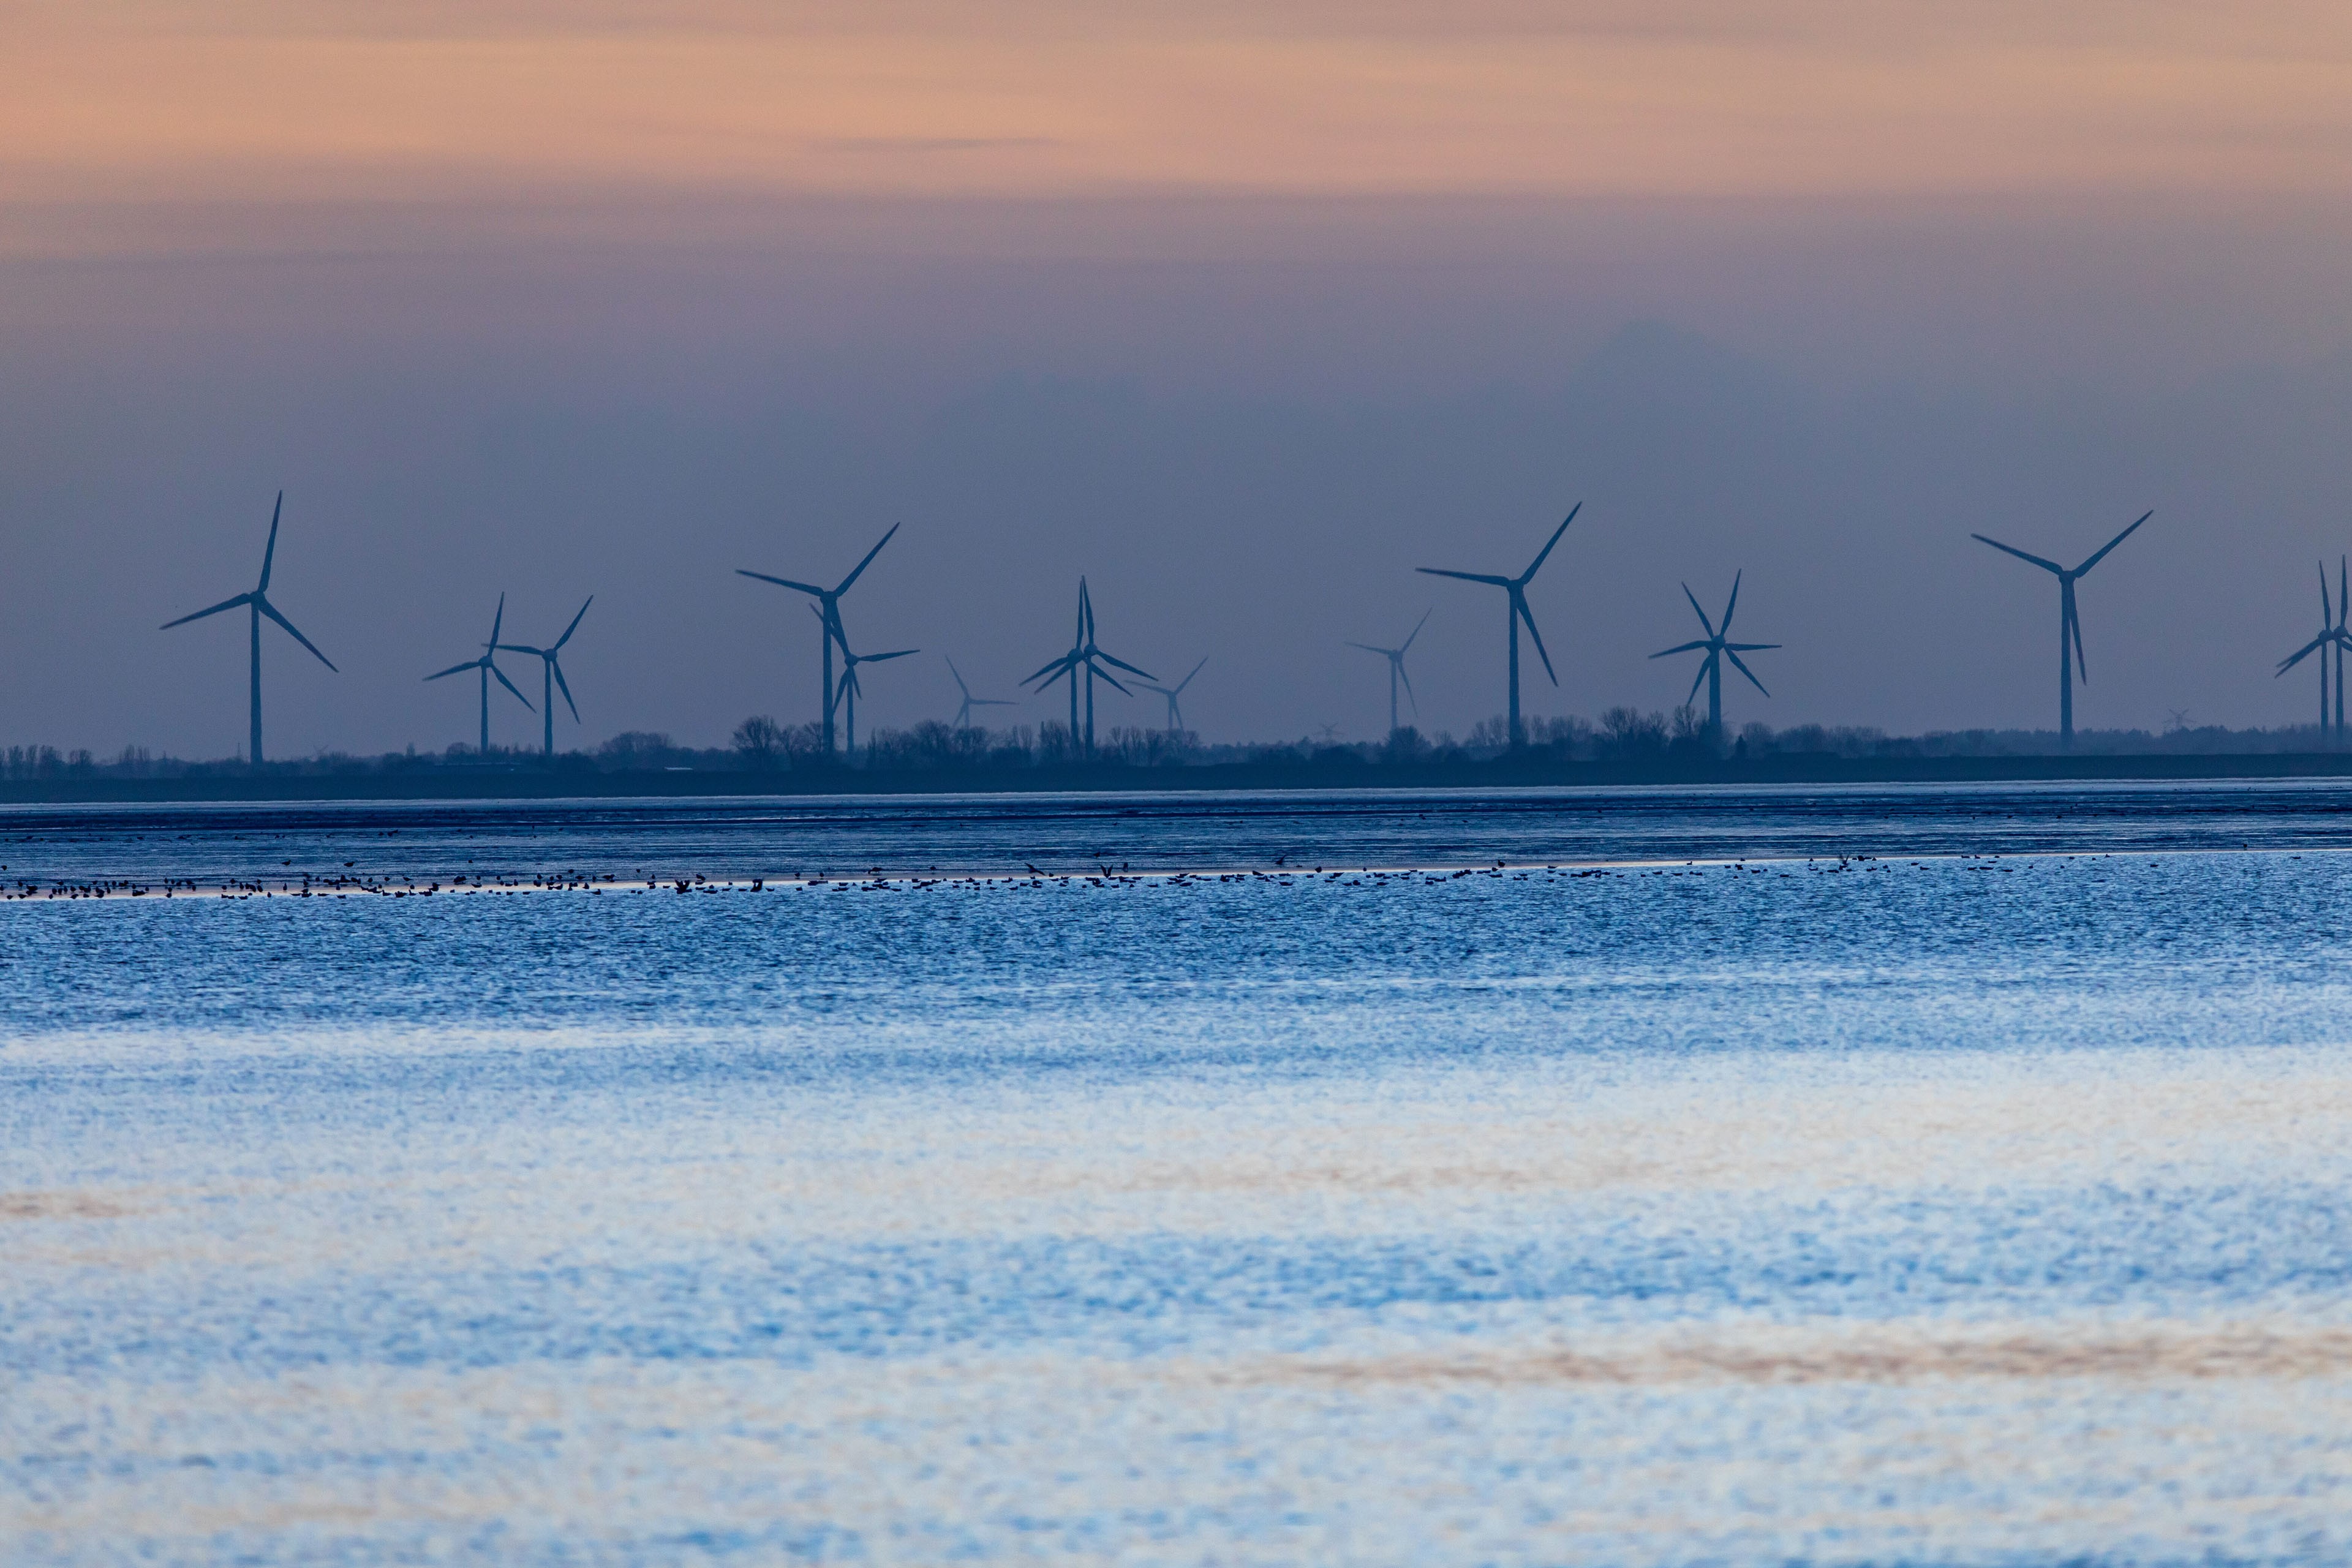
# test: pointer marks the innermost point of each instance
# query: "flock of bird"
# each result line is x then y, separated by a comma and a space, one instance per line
1085, 662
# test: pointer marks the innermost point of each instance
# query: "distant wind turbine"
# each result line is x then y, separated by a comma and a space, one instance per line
850, 689
830, 598
2070, 625
963, 710
550, 677
1174, 695
258, 602
1515, 611
2331, 637
1395, 656
487, 665
1710, 668
1086, 656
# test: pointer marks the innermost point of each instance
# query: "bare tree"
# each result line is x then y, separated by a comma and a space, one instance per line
760, 742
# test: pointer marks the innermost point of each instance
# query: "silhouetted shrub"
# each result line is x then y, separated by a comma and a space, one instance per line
1628, 732
636, 749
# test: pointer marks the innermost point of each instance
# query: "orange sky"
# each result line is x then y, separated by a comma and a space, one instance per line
161, 107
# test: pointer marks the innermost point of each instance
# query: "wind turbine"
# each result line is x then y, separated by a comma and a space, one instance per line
1175, 709
258, 602
850, 691
2070, 625
1516, 611
830, 598
963, 711
1085, 655
1395, 656
488, 665
1710, 668
552, 677
2331, 636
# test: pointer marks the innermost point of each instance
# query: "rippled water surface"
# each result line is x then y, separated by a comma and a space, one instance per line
1978, 1197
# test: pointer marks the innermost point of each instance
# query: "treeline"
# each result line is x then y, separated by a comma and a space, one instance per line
761, 744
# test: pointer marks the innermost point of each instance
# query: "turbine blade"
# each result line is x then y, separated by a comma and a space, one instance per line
2305, 651
959, 679
2118, 539
1408, 687
1696, 611
2074, 624
2022, 555
1062, 663
266, 608
1467, 576
1112, 680
575, 622
1417, 625
519, 648
1529, 576
1384, 652
783, 581
564, 686
1699, 680
456, 669
830, 619
878, 657
862, 566
1745, 670
1519, 607
1734, 605
1188, 679
509, 685
269, 552
1681, 647
200, 614
1124, 665
1748, 646
497, 621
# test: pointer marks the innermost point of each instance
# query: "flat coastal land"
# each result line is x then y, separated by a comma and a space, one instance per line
531, 781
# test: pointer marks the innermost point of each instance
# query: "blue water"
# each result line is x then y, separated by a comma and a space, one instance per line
1959, 1204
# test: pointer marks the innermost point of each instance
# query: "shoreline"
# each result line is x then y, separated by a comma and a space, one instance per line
525, 781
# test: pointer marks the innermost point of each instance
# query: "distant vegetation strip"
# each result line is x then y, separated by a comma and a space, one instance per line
1626, 746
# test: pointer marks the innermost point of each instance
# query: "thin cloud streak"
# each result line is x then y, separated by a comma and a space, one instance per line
147, 106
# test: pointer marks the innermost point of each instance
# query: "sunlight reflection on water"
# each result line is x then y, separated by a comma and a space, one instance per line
1897, 1211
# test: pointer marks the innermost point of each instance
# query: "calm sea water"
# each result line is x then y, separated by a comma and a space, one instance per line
1985, 1201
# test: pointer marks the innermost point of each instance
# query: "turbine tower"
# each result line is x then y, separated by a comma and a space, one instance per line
963, 710
1710, 668
487, 665
2330, 638
257, 602
2343, 613
1395, 656
1174, 693
2070, 625
830, 598
1085, 655
1515, 611
851, 690
550, 677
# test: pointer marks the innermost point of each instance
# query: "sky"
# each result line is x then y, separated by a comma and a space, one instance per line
1241, 311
